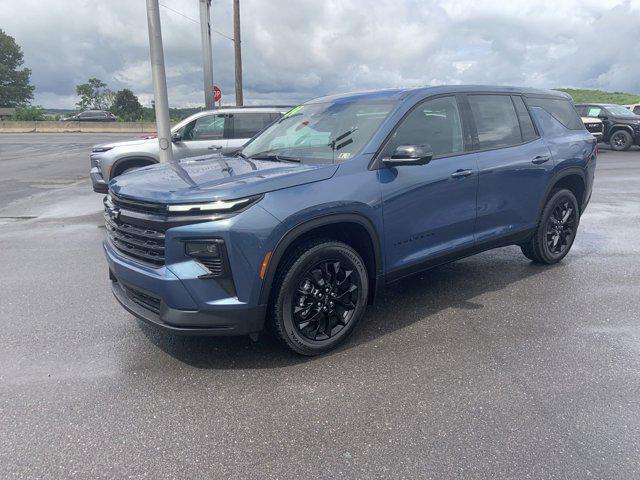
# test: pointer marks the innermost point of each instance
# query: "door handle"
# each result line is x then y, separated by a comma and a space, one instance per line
461, 173
215, 147
540, 159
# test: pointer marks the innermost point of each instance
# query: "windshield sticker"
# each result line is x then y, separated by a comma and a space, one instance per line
292, 111
344, 156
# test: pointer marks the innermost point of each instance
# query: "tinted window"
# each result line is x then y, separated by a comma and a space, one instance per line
496, 121
435, 122
526, 125
618, 111
209, 127
636, 110
582, 110
246, 125
548, 124
560, 109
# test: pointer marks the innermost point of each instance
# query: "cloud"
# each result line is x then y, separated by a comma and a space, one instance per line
293, 51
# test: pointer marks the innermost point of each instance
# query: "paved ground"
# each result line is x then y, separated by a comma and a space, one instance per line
487, 368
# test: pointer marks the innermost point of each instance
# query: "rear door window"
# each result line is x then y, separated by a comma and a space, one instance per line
562, 110
246, 125
496, 121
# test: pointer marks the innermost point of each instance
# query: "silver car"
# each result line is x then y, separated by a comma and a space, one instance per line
223, 130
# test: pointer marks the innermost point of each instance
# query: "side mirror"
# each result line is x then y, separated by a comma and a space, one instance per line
176, 137
410, 155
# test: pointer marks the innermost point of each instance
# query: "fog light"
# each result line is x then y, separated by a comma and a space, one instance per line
209, 249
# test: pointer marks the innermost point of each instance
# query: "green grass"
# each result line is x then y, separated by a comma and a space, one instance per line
600, 96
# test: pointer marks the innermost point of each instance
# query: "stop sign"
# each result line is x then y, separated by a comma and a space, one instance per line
217, 93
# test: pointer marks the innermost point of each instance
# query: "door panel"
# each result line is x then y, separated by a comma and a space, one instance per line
514, 164
511, 183
429, 210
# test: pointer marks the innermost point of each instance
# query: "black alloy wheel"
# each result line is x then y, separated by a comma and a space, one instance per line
561, 227
326, 299
320, 293
621, 140
556, 230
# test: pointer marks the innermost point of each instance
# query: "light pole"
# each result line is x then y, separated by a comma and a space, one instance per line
163, 124
207, 65
238, 51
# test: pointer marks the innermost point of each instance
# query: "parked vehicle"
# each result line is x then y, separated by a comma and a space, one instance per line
594, 126
92, 116
222, 130
635, 108
341, 196
621, 126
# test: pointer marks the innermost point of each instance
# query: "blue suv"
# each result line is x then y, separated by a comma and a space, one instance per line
344, 194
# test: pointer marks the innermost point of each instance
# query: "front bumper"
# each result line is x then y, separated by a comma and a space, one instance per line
99, 183
158, 297
181, 322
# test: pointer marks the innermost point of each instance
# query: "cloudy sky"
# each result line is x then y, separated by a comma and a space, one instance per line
298, 49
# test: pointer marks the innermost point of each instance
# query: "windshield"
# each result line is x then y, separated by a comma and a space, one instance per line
620, 111
334, 131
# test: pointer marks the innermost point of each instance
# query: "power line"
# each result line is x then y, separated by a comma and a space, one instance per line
196, 21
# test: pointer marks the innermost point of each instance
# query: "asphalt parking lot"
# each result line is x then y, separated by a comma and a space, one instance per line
490, 367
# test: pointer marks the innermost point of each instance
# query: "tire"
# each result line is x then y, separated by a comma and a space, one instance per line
620, 140
556, 229
320, 294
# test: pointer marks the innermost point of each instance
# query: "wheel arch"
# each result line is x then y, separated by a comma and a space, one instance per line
573, 179
354, 229
124, 162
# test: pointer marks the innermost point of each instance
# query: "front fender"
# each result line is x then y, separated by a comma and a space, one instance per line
350, 196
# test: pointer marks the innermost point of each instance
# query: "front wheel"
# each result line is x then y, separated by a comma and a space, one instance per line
620, 140
320, 295
556, 229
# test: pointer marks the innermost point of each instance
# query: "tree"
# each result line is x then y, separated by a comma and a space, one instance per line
29, 113
126, 105
94, 95
15, 89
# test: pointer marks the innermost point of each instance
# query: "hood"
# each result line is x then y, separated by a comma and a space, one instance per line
127, 143
215, 178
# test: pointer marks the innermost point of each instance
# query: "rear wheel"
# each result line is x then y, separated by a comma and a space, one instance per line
620, 140
320, 295
556, 229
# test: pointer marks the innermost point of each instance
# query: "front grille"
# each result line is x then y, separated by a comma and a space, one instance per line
137, 228
139, 207
143, 299
139, 242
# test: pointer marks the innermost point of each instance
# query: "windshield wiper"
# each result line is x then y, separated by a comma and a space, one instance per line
271, 155
274, 157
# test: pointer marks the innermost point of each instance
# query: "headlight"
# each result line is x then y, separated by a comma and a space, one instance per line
100, 149
217, 207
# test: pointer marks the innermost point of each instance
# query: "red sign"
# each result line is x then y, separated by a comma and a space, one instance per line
217, 93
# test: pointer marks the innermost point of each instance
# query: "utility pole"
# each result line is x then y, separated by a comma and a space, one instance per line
238, 51
207, 65
163, 124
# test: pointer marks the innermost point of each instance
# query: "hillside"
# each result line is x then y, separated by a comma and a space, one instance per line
580, 95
